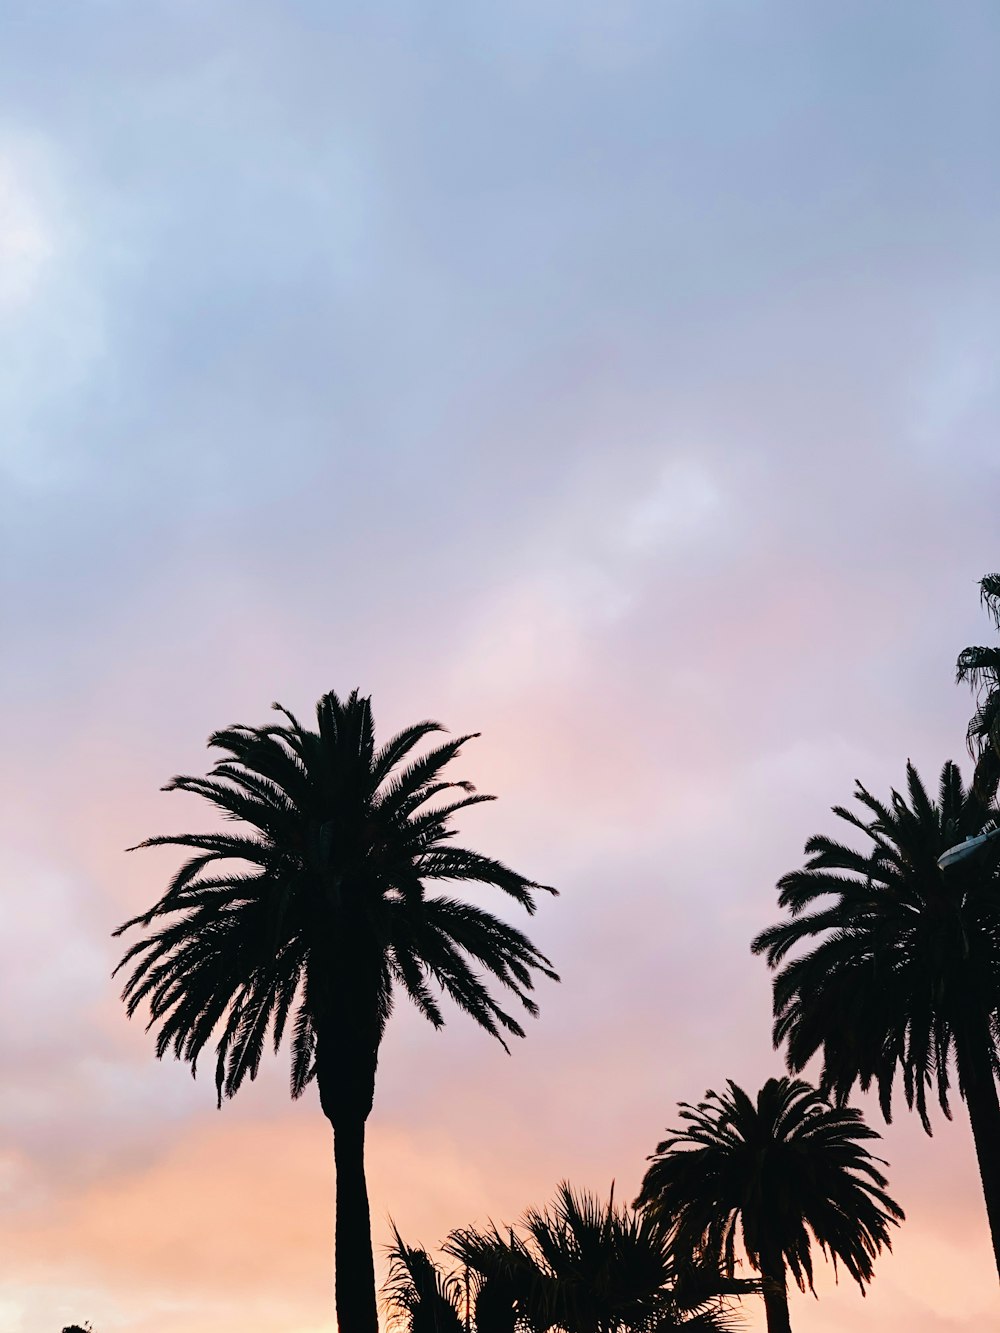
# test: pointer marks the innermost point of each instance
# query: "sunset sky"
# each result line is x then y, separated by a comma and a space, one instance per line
619, 380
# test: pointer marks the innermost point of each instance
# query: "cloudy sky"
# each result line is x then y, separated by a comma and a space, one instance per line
619, 380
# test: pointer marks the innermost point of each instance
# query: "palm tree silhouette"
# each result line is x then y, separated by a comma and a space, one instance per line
980, 667
418, 1295
902, 962
790, 1168
586, 1266
316, 912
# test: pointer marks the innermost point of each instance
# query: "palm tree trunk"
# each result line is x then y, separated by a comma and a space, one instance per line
347, 1041
775, 1287
984, 1115
355, 1268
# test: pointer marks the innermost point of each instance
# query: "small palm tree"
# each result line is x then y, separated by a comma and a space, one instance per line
790, 1169
315, 914
585, 1266
418, 1295
980, 668
901, 964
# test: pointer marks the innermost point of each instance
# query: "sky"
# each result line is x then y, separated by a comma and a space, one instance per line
617, 380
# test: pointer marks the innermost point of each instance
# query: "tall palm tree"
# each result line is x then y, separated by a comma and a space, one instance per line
980, 667
316, 912
790, 1168
586, 1266
901, 963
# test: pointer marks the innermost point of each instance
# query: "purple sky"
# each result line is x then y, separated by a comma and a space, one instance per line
618, 380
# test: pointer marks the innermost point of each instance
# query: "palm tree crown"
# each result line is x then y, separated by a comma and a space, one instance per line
319, 908
903, 963
789, 1167
586, 1266
418, 1296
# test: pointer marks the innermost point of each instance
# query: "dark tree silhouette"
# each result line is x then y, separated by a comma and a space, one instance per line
790, 1168
902, 963
315, 913
418, 1295
585, 1266
980, 668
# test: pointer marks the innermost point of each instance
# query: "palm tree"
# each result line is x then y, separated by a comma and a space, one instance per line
791, 1168
316, 912
418, 1294
901, 969
980, 667
585, 1266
